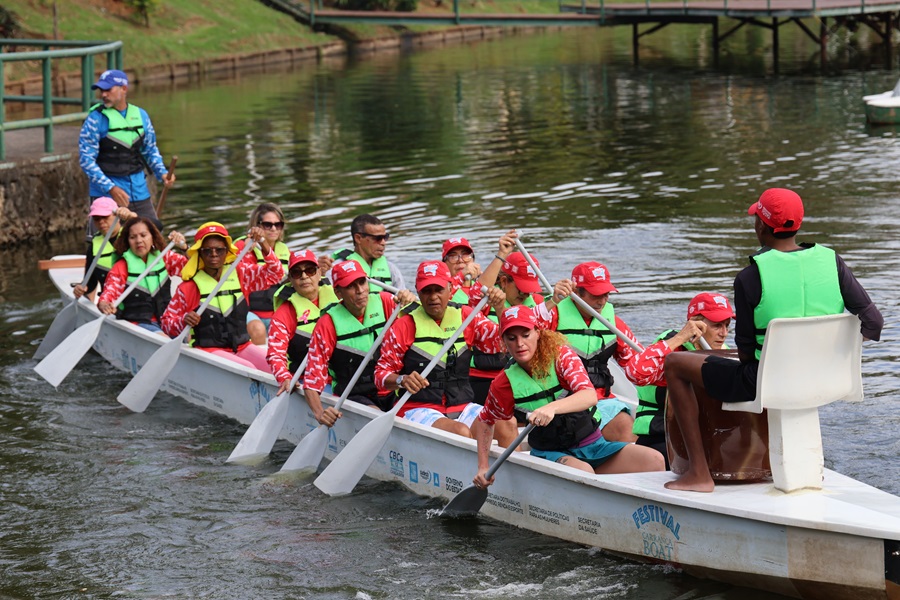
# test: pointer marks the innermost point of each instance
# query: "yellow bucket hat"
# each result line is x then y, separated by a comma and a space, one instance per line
195, 262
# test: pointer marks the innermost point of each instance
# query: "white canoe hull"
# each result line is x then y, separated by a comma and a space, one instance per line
841, 542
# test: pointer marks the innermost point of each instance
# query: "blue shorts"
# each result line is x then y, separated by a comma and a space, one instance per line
608, 409
252, 316
154, 327
428, 416
595, 454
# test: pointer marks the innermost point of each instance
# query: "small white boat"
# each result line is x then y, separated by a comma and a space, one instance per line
842, 541
883, 109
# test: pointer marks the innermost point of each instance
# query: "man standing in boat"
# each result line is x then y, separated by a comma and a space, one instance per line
341, 338
708, 316
784, 280
117, 142
444, 399
370, 238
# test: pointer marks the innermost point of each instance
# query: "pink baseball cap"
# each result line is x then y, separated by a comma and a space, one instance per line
523, 275
714, 307
517, 316
432, 272
103, 207
594, 277
302, 256
345, 273
455, 242
779, 208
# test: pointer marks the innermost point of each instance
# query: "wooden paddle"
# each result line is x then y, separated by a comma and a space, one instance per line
577, 299
64, 323
140, 391
348, 467
162, 195
257, 441
309, 452
60, 362
62, 263
469, 501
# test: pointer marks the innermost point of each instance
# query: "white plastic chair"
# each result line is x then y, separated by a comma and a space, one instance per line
805, 363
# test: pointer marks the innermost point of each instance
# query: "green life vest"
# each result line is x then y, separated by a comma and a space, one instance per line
264, 300
119, 153
107, 258
307, 317
354, 339
593, 343
564, 431
796, 284
449, 380
459, 299
224, 322
148, 301
379, 269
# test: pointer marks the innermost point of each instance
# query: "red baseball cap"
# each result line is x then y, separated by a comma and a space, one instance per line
523, 275
779, 208
455, 242
345, 273
517, 316
594, 277
432, 272
714, 307
300, 256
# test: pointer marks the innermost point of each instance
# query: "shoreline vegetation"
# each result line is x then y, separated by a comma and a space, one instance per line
202, 33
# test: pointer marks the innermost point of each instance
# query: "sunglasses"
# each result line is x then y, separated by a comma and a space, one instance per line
378, 238
459, 256
298, 272
271, 224
213, 251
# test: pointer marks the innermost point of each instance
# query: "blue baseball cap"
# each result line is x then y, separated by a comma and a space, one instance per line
110, 79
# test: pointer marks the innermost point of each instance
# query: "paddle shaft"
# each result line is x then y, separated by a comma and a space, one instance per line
367, 357
140, 277
577, 299
509, 450
382, 285
162, 195
445, 348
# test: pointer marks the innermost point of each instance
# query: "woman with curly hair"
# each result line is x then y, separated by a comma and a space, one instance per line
139, 243
547, 384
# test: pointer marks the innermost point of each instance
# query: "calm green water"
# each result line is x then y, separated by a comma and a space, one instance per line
648, 169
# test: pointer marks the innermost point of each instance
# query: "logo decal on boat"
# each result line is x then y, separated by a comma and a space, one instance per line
413, 472
652, 513
397, 464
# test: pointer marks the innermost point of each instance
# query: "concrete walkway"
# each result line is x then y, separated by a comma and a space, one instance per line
28, 144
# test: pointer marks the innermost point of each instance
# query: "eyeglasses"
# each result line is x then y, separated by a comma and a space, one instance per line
459, 256
298, 272
211, 251
271, 224
378, 238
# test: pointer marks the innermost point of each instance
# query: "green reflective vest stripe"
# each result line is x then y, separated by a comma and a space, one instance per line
224, 322
379, 269
307, 317
803, 283
530, 394
108, 258
354, 339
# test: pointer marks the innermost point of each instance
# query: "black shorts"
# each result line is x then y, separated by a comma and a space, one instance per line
729, 380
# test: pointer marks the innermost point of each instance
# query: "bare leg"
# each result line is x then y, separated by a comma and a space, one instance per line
445, 424
257, 332
571, 461
619, 429
682, 374
505, 432
633, 459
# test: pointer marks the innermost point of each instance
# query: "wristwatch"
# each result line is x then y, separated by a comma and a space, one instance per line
400, 380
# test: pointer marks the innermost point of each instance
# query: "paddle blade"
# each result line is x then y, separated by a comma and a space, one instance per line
61, 327
60, 362
143, 387
348, 467
308, 453
259, 438
467, 503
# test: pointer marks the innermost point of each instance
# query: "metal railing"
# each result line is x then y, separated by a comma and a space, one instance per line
86, 50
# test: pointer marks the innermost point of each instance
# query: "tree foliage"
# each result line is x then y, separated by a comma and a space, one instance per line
144, 8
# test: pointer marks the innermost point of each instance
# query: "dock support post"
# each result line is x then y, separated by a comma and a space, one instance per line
775, 42
634, 42
715, 36
823, 40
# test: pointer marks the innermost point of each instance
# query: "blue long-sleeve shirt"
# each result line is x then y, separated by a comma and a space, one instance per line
95, 128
